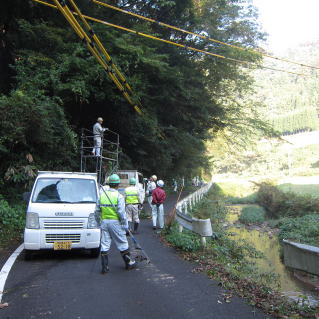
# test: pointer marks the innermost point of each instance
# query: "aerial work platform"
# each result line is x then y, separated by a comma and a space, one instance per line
107, 162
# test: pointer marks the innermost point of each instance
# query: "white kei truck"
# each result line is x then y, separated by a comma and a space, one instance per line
62, 213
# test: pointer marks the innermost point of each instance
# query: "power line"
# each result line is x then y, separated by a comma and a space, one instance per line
199, 35
95, 47
247, 63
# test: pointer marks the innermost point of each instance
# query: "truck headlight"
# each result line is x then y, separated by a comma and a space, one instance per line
32, 221
92, 223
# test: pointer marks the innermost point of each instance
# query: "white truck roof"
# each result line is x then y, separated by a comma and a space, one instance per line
128, 170
67, 174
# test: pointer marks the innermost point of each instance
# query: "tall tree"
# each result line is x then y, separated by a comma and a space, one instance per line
59, 88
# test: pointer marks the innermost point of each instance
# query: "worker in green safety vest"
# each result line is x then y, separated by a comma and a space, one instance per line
114, 224
132, 205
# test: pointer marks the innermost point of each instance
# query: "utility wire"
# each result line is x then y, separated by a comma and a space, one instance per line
247, 63
199, 35
96, 48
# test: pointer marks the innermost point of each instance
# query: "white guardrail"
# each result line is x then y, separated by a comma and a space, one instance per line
203, 227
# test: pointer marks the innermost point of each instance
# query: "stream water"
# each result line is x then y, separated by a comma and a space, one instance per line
268, 244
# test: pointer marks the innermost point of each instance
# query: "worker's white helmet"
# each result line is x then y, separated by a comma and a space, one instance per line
100, 119
154, 177
160, 183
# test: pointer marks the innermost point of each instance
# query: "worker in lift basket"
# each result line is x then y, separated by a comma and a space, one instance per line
98, 131
133, 203
114, 225
158, 198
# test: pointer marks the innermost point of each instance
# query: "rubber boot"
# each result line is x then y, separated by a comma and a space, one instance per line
129, 262
105, 262
135, 227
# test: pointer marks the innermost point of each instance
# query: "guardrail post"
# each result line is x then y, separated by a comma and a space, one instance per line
203, 241
180, 228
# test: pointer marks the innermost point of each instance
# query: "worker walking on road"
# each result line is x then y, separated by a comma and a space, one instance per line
158, 198
98, 131
114, 224
132, 202
151, 185
174, 185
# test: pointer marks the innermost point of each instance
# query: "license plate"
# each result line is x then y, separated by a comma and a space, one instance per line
62, 245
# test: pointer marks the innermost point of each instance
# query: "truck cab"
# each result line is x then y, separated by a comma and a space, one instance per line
61, 213
125, 176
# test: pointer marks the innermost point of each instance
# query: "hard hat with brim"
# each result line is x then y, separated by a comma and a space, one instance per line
114, 179
160, 183
132, 181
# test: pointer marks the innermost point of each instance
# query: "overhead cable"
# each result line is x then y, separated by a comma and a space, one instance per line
200, 35
247, 63
96, 48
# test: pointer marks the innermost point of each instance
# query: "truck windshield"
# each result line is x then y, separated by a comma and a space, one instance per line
64, 190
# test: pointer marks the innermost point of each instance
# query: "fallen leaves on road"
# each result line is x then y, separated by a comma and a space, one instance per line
227, 297
3, 305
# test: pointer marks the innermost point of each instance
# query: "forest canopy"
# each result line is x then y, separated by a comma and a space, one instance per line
50, 86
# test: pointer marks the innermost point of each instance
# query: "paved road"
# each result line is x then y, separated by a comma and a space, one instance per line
69, 285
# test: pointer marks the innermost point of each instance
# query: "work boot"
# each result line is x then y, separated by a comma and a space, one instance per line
135, 227
129, 262
105, 262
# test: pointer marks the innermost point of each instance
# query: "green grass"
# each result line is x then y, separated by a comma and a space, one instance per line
238, 188
311, 189
187, 240
304, 229
236, 192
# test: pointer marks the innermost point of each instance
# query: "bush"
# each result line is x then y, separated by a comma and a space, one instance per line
12, 221
252, 215
186, 240
285, 204
301, 229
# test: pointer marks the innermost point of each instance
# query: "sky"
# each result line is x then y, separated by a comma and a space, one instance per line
288, 22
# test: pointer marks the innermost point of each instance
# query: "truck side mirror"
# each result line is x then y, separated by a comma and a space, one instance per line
26, 196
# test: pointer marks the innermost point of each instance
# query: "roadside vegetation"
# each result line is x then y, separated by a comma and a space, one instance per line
233, 263
12, 221
252, 215
292, 213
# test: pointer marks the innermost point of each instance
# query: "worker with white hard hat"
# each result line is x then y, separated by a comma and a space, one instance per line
98, 131
158, 198
151, 185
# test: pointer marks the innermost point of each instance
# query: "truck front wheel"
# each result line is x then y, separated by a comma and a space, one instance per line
28, 255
